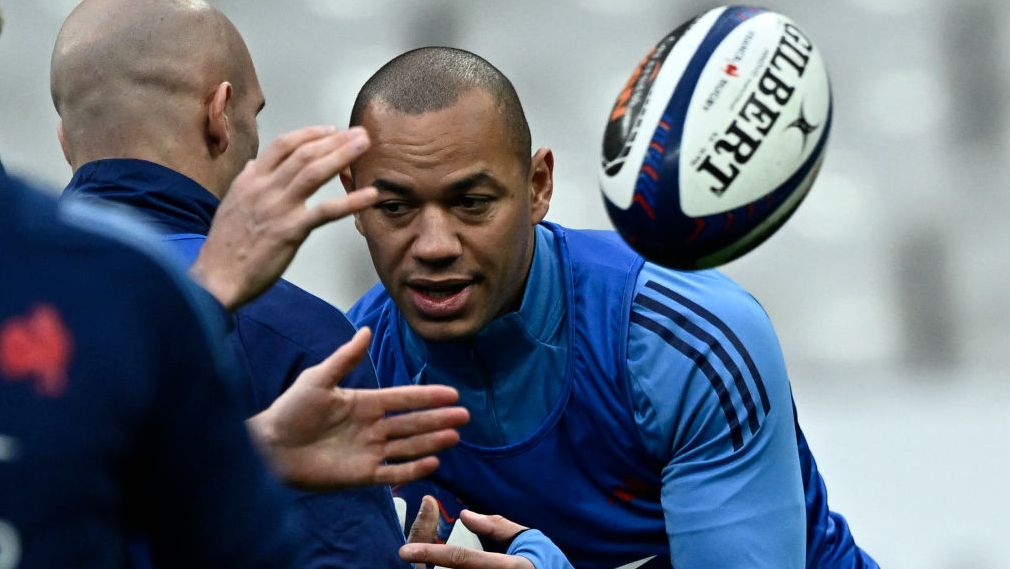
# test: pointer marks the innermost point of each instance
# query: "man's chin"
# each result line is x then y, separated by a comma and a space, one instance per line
442, 330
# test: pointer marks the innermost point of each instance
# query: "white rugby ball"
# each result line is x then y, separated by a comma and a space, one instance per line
716, 138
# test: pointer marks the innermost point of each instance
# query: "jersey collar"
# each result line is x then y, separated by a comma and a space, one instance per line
170, 201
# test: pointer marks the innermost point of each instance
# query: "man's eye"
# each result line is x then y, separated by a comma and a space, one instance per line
392, 207
474, 202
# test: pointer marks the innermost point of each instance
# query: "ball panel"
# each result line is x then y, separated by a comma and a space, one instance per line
657, 76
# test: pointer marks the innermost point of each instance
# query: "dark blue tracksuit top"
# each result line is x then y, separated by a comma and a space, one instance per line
115, 416
275, 337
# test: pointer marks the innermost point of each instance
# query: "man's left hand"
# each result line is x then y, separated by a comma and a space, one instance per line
420, 550
321, 437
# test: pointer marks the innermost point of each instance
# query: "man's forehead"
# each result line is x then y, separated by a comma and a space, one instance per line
472, 105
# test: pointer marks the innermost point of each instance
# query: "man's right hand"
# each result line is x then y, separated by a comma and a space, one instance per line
264, 218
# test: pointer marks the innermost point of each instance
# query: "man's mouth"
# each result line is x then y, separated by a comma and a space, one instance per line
440, 299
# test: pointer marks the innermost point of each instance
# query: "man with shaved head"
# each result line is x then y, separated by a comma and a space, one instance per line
639, 416
158, 101
170, 82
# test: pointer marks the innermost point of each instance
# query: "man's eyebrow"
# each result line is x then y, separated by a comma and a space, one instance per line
478, 179
392, 187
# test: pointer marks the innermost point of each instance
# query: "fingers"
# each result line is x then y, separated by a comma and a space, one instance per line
494, 527
456, 557
425, 525
333, 369
400, 473
338, 208
318, 161
421, 445
420, 422
284, 145
393, 399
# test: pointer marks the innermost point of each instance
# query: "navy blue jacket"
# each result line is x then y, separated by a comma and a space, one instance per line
115, 418
275, 337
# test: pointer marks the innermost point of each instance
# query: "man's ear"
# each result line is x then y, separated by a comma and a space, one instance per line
218, 129
541, 183
63, 144
347, 179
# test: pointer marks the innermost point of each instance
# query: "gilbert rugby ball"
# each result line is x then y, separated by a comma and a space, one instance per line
716, 138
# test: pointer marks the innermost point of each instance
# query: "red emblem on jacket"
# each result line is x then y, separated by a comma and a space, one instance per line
37, 348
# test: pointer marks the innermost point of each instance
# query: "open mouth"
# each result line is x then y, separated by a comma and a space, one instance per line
440, 299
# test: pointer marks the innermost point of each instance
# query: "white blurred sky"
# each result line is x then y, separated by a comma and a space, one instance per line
887, 287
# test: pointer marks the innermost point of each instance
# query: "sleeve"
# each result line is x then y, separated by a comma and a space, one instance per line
206, 496
539, 550
712, 402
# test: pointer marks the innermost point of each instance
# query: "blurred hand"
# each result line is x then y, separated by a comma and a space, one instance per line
421, 549
321, 437
263, 218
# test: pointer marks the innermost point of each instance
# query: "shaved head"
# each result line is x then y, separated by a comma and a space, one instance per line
431, 79
133, 78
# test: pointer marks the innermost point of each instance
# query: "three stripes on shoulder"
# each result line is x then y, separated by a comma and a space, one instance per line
714, 347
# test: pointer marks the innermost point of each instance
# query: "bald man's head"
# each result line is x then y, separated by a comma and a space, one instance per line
169, 81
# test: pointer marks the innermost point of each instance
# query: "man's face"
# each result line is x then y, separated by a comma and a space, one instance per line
452, 237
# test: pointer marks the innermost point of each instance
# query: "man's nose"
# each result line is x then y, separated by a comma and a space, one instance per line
437, 241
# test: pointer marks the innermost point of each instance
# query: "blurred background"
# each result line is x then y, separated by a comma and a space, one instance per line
887, 287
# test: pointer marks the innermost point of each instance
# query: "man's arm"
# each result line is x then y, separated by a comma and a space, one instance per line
713, 404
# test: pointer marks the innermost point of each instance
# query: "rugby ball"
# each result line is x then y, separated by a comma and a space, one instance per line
716, 138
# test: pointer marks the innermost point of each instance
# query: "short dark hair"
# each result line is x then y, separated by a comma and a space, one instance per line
433, 78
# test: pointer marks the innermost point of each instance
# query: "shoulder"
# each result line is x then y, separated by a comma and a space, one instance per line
707, 299
702, 336
117, 250
106, 268
597, 250
298, 316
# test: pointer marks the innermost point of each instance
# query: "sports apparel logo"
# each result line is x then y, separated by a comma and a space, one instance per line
806, 129
37, 348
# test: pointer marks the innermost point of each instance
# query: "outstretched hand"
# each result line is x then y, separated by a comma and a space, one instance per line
264, 218
321, 437
421, 549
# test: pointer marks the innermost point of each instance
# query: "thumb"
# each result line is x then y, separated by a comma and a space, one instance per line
425, 526
496, 528
331, 371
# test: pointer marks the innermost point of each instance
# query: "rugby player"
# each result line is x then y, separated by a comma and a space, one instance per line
635, 414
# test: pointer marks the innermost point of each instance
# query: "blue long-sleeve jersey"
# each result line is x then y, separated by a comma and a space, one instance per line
115, 418
274, 339
630, 412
